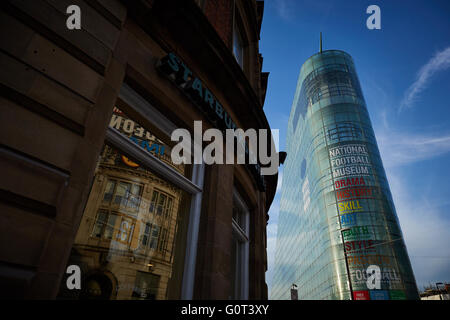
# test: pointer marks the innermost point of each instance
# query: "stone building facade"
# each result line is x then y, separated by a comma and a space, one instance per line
79, 188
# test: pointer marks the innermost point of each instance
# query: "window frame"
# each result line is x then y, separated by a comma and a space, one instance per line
166, 209
237, 38
193, 186
242, 235
239, 30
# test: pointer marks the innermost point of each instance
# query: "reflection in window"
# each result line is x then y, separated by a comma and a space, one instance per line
125, 194
109, 191
146, 286
238, 48
154, 237
163, 241
239, 216
130, 229
161, 204
100, 224
105, 227
109, 227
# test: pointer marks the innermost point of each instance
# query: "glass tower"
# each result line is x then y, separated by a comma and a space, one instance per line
338, 232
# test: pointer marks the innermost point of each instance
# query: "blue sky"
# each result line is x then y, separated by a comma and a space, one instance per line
404, 70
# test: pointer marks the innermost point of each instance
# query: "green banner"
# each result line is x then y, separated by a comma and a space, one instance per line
397, 295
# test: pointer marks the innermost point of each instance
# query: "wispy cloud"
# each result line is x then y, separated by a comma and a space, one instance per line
280, 180
425, 231
422, 216
439, 62
284, 9
398, 145
401, 147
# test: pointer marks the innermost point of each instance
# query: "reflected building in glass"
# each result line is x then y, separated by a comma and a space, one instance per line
126, 241
338, 232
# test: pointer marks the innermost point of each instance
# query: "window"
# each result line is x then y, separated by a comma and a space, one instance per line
239, 249
154, 237
325, 82
344, 131
123, 194
238, 46
201, 4
146, 286
131, 227
161, 204
163, 240
100, 224
150, 236
115, 219
113, 226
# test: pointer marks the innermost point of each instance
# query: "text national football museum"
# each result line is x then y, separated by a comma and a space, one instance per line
338, 231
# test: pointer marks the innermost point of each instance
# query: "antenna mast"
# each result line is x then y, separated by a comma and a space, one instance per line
320, 42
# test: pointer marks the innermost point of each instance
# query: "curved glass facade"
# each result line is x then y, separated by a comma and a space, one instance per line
338, 232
